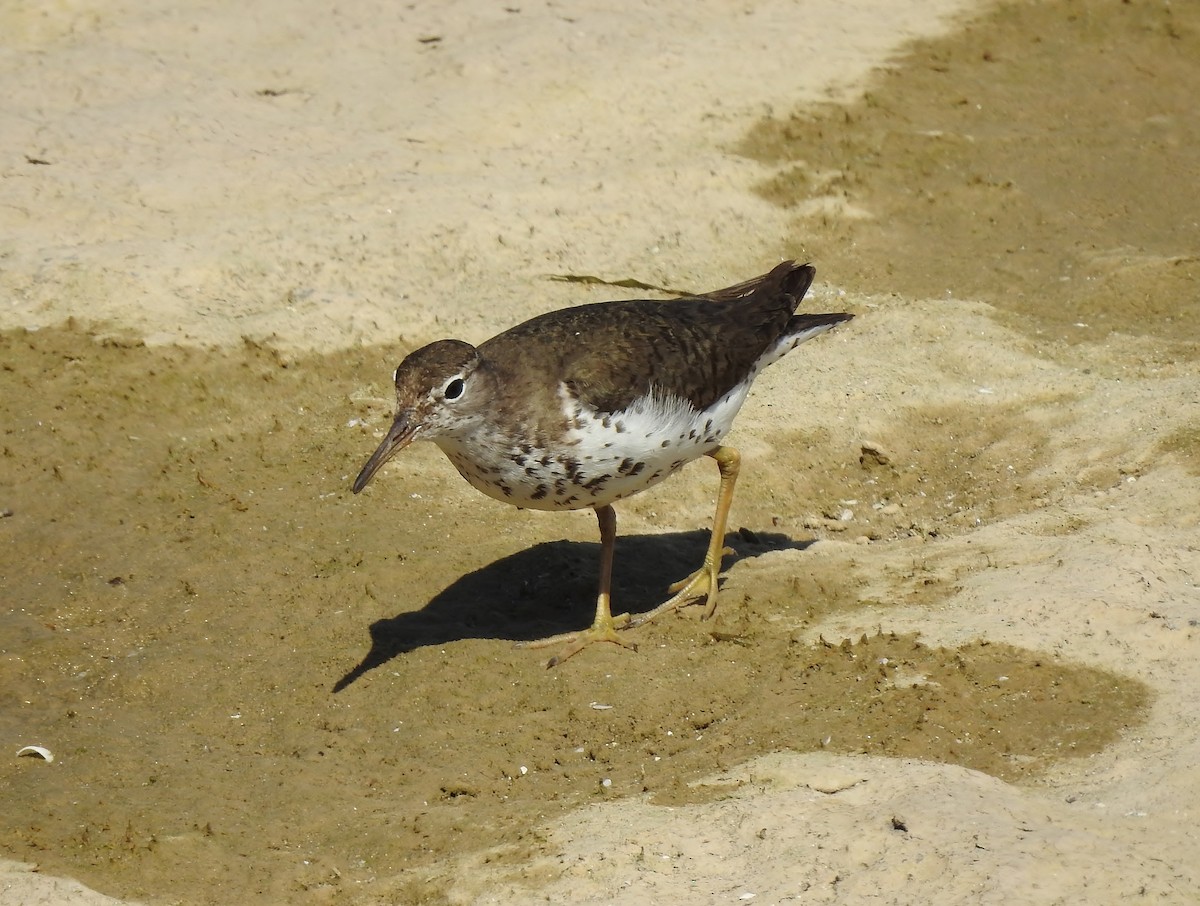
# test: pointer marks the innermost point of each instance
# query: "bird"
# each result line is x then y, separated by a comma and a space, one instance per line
584, 406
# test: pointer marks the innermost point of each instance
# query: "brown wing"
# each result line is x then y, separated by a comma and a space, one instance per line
697, 348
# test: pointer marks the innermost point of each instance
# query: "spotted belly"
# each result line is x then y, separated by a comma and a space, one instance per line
602, 458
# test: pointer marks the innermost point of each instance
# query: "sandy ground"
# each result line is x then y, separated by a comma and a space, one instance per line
956, 657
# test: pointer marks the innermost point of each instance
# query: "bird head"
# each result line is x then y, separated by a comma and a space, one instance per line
437, 394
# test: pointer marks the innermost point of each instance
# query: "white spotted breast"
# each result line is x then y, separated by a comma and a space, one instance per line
602, 458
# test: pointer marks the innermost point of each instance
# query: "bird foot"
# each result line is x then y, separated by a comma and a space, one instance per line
603, 630
700, 584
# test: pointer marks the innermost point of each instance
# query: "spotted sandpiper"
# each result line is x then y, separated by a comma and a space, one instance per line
584, 406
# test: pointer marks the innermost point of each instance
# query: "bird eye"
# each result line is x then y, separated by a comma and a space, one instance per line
454, 389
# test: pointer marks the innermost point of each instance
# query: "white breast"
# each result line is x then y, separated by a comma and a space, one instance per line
602, 457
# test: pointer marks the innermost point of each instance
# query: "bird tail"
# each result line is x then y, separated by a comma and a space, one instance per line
787, 278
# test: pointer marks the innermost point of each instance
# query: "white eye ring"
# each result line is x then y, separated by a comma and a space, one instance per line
454, 389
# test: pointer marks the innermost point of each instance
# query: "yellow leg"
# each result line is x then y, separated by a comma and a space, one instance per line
703, 582
604, 627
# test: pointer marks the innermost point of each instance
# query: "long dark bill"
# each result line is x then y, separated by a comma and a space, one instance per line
399, 436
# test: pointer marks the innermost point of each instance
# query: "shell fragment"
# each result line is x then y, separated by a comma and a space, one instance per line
40, 751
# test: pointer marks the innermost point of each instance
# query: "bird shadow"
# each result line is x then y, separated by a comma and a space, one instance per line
551, 588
